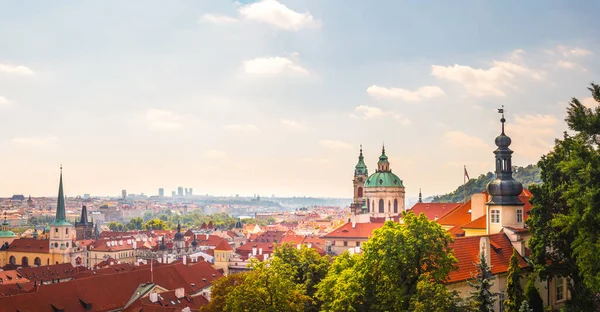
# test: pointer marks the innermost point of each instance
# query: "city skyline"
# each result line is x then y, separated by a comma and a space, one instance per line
267, 97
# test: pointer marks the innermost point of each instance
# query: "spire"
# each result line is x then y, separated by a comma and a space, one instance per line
83, 220
420, 196
96, 231
383, 165
504, 189
361, 167
61, 217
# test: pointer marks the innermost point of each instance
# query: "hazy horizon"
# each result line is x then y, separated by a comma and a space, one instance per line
266, 97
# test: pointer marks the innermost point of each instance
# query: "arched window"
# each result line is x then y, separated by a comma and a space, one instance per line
389, 206
48, 261
25, 261
12, 260
37, 261
381, 206
395, 205
368, 206
373, 205
360, 192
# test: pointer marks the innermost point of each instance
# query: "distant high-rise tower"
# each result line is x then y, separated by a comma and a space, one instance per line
124, 194
161, 192
173, 194
191, 191
180, 191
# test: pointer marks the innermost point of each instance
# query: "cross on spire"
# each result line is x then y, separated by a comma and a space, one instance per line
502, 120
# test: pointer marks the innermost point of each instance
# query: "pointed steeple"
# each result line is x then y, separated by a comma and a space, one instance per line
83, 220
178, 235
383, 165
96, 231
361, 168
504, 189
61, 216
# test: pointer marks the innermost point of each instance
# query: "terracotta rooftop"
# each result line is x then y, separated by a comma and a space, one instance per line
223, 245
361, 230
479, 223
466, 250
30, 245
433, 211
167, 301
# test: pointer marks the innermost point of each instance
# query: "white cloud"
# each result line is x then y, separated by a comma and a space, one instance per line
422, 93
461, 140
273, 66
163, 120
276, 14
532, 135
15, 69
370, 112
215, 154
242, 128
589, 102
576, 52
335, 144
35, 141
5, 102
292, 124
566, 64
485, 82
517, 54
218, 19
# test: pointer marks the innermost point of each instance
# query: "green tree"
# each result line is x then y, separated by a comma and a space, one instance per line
434, 297
155, 224
566, 208
481, 298
534, 300
393, 262
269, 287
115, 226
525, 307
514, 290
220, 290
135, 224
309, 269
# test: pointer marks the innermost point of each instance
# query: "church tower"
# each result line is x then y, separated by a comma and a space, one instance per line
61, 231
178, 241
360, 176
83, 228
504, 209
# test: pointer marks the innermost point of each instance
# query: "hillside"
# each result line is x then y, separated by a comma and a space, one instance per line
526, 175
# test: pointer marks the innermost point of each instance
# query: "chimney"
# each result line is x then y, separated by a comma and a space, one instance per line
153, 297
179, 293
184, 260
484, 247
165, 258
260, 251
477, 205
254, 251
206, 236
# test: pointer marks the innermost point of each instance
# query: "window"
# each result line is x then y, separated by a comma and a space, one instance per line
67, 245
25, 261
12, 260
37, 261
501, 298
395, 205
560, 289
360, 192
357, 244
67, 231
381, 206
345, 243
519, 215
55, 230
495, 216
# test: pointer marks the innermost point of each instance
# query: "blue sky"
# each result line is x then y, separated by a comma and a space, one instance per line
275, 97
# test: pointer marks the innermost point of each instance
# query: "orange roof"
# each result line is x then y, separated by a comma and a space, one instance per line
458, 216
223, 245
433, 211
361, 230
30, 245
479, 223
466, 250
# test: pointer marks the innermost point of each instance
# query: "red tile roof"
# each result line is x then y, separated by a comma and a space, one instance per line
361, 230
51, 272
458, 216
466, 250
12, 277
479, 223
433, 211
167, 301
269, 237
112, 291
223, 245
30, 245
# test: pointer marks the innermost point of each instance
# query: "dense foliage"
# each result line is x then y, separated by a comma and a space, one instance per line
526, 175
565, 217
514, 290
481, 298
399, 263
532, 296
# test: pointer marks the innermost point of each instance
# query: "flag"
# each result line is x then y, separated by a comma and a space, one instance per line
466, 173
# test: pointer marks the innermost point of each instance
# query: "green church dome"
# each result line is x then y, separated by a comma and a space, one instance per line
383, 179
5, 234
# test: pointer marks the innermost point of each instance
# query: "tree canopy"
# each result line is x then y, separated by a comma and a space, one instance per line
565, 217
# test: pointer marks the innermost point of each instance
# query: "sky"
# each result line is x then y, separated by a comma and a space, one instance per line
267, 97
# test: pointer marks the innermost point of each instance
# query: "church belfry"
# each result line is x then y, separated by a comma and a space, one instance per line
84, 229
361, 174
504, 206
61, 231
